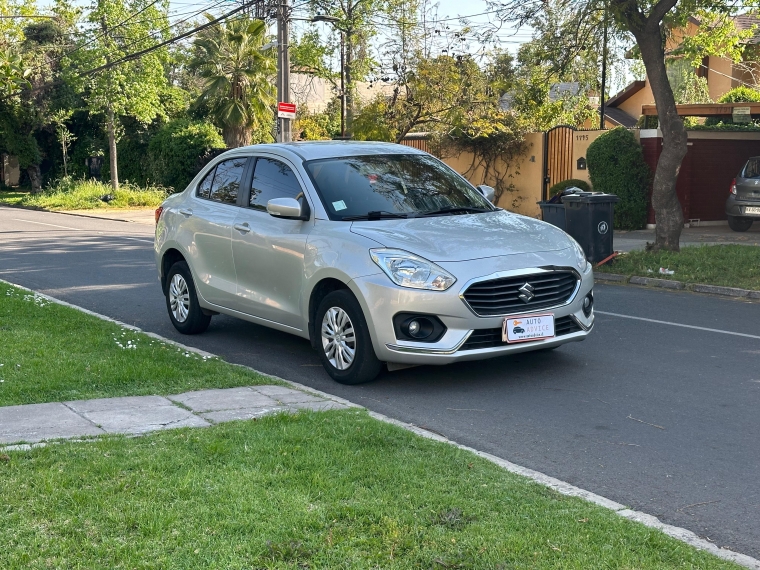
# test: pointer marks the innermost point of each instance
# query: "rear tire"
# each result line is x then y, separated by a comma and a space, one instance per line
182, 301
739, 224
343, 340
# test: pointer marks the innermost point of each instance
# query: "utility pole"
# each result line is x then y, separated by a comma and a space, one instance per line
604, 71
283, 68
342, 86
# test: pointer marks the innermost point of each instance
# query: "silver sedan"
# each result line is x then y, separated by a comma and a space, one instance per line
379, 254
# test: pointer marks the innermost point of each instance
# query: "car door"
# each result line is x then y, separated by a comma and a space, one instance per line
209, 222
269, 251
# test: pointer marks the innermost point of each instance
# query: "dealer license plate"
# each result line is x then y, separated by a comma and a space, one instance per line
527, 328
751, 210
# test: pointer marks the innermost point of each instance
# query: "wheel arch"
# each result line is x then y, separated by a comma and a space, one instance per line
171, 256
324, 287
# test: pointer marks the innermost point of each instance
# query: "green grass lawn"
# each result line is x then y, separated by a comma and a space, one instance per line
53, 353
726, 265
70, 194
314, 490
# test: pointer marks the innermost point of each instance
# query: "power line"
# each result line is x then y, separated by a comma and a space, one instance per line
146, 51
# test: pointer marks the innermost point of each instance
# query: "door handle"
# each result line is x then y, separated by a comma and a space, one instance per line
242, 228
186, 213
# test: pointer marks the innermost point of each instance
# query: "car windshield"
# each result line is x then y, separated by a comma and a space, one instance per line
752, 168
392, 186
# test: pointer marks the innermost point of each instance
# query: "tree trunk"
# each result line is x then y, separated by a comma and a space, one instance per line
667, 208
35, 177
112, 149
235, 137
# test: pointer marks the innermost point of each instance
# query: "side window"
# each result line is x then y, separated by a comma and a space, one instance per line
272, 179
204, 188
227, 180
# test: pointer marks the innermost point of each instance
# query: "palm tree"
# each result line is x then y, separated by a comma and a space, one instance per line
238, 78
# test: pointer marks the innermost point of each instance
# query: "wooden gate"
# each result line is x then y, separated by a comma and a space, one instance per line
558, 156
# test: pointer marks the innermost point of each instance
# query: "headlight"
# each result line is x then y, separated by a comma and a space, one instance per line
580, 256
408, 270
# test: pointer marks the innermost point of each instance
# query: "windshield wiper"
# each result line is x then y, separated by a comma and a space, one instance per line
375, 215
455, 209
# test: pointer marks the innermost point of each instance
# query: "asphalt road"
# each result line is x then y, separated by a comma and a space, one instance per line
659, 417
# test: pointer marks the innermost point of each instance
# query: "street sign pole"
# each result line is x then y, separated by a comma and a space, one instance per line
283, 69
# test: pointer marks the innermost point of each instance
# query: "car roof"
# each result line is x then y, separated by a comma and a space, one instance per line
314, 150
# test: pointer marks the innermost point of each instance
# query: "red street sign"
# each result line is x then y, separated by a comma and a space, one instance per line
286, 110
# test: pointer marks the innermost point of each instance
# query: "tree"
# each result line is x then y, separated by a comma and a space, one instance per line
650, 23
238, 86
64, 135
128, 88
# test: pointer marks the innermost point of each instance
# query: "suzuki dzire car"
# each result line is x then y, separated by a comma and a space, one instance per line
378, 253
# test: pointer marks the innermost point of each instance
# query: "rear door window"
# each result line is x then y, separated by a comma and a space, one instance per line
227, 178
204, 188
272, 179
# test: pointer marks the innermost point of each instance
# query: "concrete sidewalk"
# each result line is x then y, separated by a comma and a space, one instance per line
132, 415
705, 235
139, 216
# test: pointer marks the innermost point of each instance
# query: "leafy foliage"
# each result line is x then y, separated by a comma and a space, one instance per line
616, 166
569, 183
175, 152
237, 79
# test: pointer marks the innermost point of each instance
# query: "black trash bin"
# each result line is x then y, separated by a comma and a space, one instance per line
589, 220
553, 210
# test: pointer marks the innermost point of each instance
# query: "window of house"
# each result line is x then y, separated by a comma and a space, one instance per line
272, 179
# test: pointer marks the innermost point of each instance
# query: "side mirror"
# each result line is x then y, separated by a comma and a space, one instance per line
487, 191
288, 208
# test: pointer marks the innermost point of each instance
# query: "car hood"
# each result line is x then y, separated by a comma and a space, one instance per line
465, 237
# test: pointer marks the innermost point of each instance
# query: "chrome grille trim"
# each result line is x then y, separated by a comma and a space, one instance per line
548, 293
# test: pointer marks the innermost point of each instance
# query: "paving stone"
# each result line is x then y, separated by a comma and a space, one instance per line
273, 390
223, 399
322, 406
37, 422
297, 397
241, 414
134, 415
123, 403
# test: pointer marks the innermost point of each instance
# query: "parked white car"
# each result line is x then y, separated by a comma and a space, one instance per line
377, 253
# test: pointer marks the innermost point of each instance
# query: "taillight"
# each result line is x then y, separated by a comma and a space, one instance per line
733, 186
159, 211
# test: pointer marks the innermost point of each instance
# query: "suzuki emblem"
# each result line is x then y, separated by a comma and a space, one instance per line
526, 293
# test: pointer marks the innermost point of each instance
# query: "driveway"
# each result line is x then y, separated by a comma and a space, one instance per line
660, 416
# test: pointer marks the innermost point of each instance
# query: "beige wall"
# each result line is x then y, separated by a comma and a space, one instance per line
633, 104
719, 77
11, 171
525, 175
581, 142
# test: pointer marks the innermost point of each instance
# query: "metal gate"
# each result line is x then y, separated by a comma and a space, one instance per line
558, 156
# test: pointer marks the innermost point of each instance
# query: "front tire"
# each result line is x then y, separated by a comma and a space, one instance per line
343, 340
739, 224
182, 301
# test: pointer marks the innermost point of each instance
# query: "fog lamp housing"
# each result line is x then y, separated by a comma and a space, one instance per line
588, 304
418, 327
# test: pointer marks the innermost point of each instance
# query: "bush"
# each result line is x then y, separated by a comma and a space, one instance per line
616, 166
570, 183
174, 153
69, 193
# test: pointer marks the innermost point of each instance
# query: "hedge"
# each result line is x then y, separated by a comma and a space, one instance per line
176, 151
616, 166
569, 183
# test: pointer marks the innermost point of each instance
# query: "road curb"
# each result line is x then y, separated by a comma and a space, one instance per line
677, 285
684, 535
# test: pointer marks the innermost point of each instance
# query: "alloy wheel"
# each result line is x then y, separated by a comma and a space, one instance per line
338, 338
179, 298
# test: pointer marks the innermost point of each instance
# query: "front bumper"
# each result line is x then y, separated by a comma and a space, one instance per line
466, 332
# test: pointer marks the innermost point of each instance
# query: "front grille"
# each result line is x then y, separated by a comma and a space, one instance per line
502, 296
488, 338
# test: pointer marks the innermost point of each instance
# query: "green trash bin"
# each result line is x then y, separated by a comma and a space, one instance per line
589, 219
